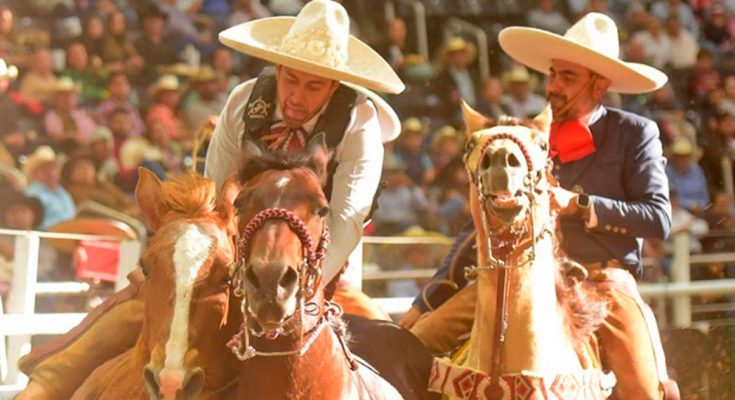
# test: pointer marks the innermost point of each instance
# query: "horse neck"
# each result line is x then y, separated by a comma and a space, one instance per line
536, 338
215, 358
321, 373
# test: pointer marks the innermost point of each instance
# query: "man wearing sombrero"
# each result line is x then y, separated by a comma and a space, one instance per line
613, 190
318, 85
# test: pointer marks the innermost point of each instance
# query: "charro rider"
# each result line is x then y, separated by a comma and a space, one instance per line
613, 192
283, 108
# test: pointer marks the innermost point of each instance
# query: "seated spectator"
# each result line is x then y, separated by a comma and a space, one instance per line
43, 171
401, 204
66, 124
720, 216
663, 9
155, 150
102, 152
655, 43
37, 82
118, 52
492, 104
80, 178
410, 152
445, 146
223, 64
91, 77
17, 211
182, 25
208, 98
166, 95
682, 221
521, 100
720, 143
247, 10
395, 48
453, 185
705, 78
547, 17
155, 46
119, 98
717, 33
686, 177
12, 137
662, 103
413, 257
93, 39
456, 81
683, 59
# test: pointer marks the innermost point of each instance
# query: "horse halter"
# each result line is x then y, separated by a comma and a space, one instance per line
530, 190
310, 274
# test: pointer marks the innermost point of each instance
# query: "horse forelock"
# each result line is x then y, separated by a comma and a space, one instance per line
190, 195
272, 161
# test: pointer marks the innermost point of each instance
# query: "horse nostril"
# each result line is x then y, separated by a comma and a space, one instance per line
252, 278
150, 377
512, 160
193, 384
288, 279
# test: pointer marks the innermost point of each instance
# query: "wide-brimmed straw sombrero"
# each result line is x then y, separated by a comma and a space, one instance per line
592, 42
317, 41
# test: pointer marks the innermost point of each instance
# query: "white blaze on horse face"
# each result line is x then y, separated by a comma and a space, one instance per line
281, 183
191, 251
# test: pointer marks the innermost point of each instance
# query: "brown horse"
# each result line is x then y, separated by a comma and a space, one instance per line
181, 352
532, 328
293, 341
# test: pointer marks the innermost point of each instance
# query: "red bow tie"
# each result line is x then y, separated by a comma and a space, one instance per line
570, 140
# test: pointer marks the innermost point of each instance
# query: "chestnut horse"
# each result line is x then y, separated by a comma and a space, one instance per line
532, 328
181, 352
293, 343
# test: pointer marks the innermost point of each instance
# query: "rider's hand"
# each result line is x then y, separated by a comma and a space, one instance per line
562, 201
410, 318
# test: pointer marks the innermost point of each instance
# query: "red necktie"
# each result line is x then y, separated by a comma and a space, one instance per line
570, 140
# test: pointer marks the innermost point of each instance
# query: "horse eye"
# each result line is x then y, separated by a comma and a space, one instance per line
226, 281
322, 212
143, 268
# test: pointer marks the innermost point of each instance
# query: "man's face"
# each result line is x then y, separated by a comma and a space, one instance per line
566, 79
119, 87
77, 57
49, 174
301, 95
19, 216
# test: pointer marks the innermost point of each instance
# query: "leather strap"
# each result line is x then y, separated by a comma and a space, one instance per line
501, 325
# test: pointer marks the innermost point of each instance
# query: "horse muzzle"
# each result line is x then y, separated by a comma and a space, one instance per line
173, 384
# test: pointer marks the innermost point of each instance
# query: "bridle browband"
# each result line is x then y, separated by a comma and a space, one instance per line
310, 274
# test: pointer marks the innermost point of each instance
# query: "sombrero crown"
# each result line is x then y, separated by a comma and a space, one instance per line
591, 42
318, 42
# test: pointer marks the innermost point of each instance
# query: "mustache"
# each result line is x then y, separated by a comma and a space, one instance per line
552, 96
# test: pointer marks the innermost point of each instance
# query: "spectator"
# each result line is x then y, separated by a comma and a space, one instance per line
17, 211
720, 143
101, 149
683, 59
684, 221
8, 41
705, 78
209, 99
93, 39
395, 48
181, 25
66, 124
663, 9
37, 82
413, 257
91, 77
521, 100
410, 152
223, 64
445, 146
453, 185
155, 47
547, 17
43, 170
80, 178
11, 136
118, 52
455, 81
119, 97
492, 104
655, 42
166, 95
401, 204
720, 216
247, 10
687, 177
717, 34
155, 151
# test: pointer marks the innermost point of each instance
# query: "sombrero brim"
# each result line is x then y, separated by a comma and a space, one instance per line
262, 38
626, 77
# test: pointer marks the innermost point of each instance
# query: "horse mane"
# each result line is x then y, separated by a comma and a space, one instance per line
272, 161
189, 194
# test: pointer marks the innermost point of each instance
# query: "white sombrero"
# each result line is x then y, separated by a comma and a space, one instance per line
318, 42
592, 42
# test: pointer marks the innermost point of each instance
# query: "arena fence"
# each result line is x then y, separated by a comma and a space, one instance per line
20, 323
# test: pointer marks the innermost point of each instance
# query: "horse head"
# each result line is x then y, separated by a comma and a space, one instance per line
508, 167
283, 233
187, 266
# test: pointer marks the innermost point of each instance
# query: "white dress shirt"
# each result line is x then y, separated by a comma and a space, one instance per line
359, 156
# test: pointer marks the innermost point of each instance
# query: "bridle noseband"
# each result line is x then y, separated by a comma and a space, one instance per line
310, 275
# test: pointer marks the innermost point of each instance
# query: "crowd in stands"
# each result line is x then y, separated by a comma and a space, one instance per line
92, 89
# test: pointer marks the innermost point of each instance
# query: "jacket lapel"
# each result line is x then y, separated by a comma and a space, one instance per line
571, 172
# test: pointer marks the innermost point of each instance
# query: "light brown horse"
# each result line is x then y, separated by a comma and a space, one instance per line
532, 328
181, 352
293, 342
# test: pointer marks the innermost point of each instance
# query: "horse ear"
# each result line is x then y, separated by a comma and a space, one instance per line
319, 155
473, 120
148, 194
542, 122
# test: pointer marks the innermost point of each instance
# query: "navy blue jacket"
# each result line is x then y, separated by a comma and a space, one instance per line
627, 183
